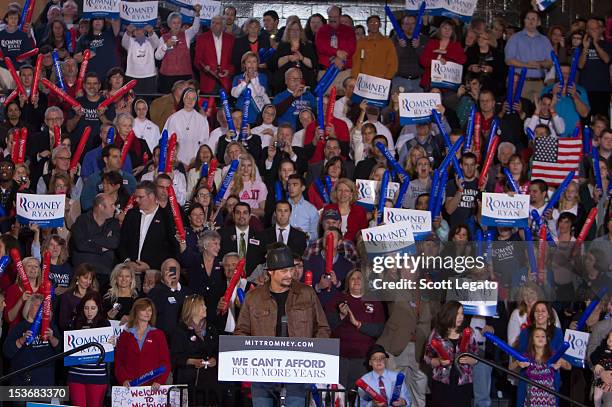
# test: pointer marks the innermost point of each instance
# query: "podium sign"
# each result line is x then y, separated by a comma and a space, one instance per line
279, 360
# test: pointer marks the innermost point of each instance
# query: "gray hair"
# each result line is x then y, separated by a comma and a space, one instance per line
228, 255
506, 144
172, 16
55, 109
218, 17
250, 21
58, 150
290, 70
206, 237
122, 116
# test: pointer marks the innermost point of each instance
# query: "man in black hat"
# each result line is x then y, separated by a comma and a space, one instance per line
281, 307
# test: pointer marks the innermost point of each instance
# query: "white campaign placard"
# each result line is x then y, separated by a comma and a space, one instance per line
576, 353
375, 90
210, 8
100, 8
145, 396
477, 297
446, 75
74, 339
463, 9
419, 221
416, 107
44, 210
139, 14
505, 210
389, 239
368, 192
279, 359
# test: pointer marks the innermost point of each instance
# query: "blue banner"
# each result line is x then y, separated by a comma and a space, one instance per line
101, 8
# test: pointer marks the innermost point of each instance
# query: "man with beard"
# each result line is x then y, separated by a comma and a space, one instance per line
281, 307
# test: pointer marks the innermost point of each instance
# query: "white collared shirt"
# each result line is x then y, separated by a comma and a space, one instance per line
218, 44
246, 238
145, 222
285, 232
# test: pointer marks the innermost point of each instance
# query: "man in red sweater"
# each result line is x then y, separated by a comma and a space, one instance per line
335, 44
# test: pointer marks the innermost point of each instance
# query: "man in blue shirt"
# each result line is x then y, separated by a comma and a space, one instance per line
294, 99
571, 103
381, 380
111, 155
93, 163
304, 215
530, 49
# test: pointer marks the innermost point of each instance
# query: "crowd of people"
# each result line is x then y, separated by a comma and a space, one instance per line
120, 255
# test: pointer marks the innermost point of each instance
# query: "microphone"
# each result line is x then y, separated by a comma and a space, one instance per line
284, 326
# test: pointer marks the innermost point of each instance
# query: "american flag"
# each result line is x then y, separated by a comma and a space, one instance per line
555, 157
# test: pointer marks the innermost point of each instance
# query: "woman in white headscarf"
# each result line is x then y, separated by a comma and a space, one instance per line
190, 126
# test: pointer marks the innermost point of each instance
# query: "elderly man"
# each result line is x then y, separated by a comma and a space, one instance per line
60, 158
95, 237
213, 57
40, 144
335, 44
294, 99
299, 314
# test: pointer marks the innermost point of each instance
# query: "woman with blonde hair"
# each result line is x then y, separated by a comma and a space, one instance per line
527, 296
194, 352
141, 347
412, 158
16, 295
122, 293
569, 202
256, 82
248, 188
295, 51
344, 200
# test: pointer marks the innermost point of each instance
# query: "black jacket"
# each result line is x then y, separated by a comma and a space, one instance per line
159, 244
168, 304
255, 242
88, 241
295, 239
186, 345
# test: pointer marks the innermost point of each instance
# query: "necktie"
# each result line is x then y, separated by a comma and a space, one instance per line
242, 246
381, 385
281, 239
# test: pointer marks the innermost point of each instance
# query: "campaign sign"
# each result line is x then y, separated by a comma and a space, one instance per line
505, 210
47, 211
479, 299
210, 8
446, 75
463, 9
544, 4
420, 221
375, 90
100, 8
368, 192
416, 108
31, 404
388, 240
576, 353
145, 396
74, 339
139, 14
278, 359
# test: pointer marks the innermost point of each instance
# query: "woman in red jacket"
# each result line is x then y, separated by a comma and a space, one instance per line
344, 198
442, 46
141, 347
